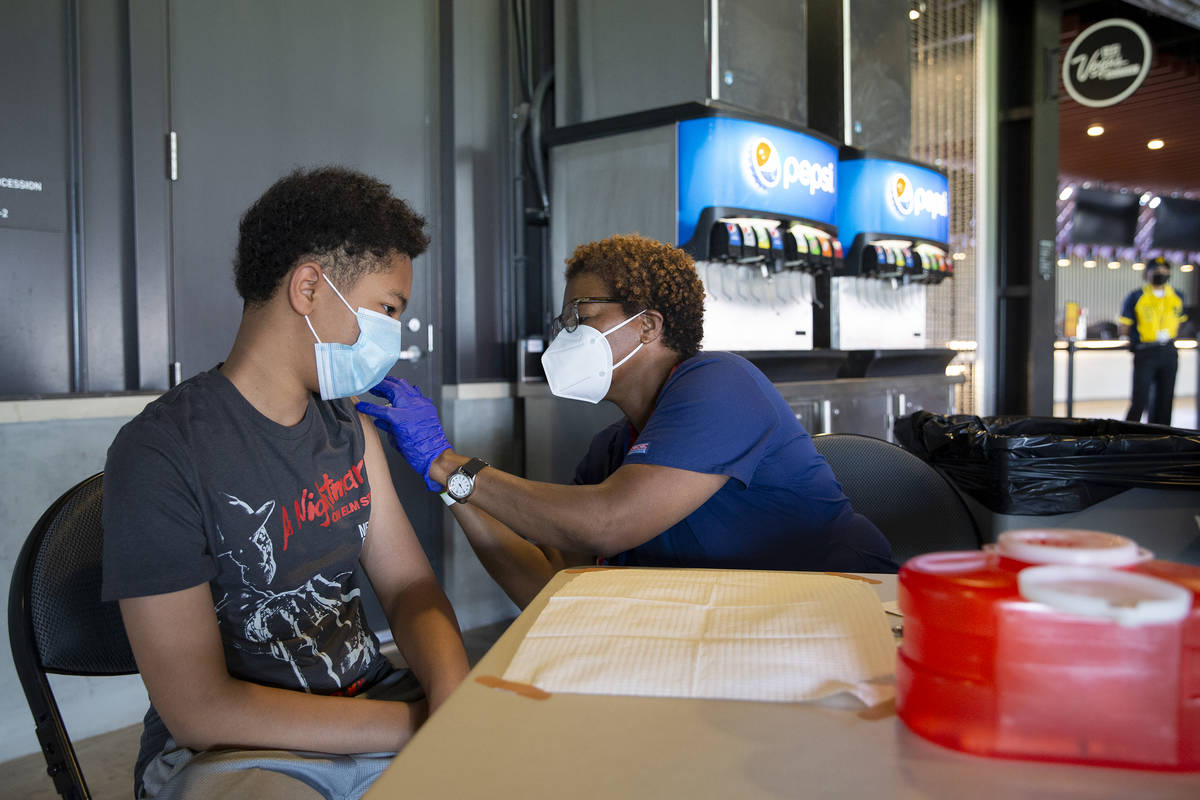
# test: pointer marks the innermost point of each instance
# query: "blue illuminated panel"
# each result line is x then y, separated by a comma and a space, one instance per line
894, 198
742, 164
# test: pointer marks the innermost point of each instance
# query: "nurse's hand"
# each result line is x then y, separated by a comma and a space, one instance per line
412, 424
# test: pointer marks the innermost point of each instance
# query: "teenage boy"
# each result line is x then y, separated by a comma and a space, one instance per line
238, 505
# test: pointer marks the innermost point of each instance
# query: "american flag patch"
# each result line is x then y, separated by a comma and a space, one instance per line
639, 448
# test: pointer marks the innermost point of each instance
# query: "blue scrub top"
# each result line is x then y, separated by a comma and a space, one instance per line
781, 507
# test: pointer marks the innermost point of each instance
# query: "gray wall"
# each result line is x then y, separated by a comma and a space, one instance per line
879, 74
481, 420
617, 57
43, 458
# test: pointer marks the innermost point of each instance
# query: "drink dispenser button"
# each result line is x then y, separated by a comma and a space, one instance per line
814, 250
749, 242
880, 258
725, 241
826, 252
793, 255
778, 251
763, 238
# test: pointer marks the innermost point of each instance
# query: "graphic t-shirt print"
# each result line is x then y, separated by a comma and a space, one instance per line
304, 625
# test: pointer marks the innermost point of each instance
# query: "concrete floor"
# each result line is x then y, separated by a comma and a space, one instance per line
107, 760
1183, 412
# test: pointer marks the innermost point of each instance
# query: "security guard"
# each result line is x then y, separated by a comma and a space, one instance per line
1150, 317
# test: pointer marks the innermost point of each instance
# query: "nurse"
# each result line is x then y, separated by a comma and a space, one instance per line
709, 467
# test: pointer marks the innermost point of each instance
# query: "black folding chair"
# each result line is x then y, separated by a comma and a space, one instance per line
909, 501
58, 624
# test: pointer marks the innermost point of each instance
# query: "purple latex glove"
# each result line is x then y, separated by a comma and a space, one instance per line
411, 422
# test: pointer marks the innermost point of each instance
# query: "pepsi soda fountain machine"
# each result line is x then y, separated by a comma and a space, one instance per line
894, 214
754, 203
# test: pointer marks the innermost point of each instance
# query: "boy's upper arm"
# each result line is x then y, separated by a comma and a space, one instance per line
154, 536
391, 556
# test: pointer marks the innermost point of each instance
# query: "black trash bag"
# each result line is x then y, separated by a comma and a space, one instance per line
1050, 465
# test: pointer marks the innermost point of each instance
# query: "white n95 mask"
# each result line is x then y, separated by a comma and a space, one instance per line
344, 370
579, 363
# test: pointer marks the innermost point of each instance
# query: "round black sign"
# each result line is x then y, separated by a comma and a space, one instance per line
1107, 62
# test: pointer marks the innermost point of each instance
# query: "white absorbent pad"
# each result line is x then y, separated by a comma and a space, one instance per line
717, 634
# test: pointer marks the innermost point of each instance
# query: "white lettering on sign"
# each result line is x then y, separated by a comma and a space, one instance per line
816, 177
936, 204
1106, 64
3, 213
19, 183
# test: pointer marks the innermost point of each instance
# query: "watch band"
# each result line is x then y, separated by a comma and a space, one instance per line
472, 467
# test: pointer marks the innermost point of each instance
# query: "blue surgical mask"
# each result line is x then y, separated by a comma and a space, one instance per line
344, 370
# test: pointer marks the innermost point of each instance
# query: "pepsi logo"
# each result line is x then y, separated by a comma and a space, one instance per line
764, 165
907, 199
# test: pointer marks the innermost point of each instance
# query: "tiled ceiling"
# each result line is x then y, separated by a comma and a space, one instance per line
1166, 106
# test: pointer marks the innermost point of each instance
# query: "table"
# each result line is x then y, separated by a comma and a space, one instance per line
491, 743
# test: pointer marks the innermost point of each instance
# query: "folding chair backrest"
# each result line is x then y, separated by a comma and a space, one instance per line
57, 622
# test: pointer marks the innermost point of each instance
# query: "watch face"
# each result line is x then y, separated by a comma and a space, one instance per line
459, 485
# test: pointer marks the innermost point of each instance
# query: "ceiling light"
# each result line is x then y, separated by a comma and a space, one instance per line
1186, 268
1155, 144
1064, 262
1095, 130
1090, 263
1114, 265
1145, 198
1065, 194
1154, 201
914, 15
1138, 266
959, 256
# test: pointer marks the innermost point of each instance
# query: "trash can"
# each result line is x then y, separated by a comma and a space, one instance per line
1141, 481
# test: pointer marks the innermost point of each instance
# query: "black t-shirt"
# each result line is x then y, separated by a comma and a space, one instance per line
201, 487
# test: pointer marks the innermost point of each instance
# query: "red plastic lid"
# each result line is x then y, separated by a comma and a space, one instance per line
1070, 546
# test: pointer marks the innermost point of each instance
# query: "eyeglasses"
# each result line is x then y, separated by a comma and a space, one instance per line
569, 320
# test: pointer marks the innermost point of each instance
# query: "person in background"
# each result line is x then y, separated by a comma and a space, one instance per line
238, 505
708, 468
1150, 318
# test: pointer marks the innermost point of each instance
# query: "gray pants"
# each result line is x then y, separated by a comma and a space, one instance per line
179, 773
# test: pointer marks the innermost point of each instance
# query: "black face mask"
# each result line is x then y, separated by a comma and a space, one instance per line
1159, 278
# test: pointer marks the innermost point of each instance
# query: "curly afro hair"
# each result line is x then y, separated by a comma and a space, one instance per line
344, 220
647, 274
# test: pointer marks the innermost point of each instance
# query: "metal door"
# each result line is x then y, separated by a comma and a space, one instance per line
260, 88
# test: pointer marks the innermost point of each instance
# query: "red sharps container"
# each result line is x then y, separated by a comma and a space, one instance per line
1059, 645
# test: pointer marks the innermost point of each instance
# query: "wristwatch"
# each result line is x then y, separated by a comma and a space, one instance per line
461, 482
